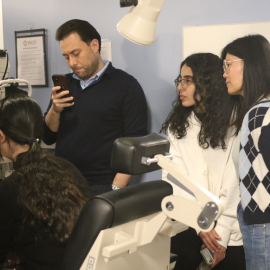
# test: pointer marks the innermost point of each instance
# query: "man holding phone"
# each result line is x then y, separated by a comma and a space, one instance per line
104, 104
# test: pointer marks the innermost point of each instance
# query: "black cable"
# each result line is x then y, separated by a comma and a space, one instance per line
6, 67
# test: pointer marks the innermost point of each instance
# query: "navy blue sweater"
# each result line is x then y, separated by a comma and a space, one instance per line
112, 107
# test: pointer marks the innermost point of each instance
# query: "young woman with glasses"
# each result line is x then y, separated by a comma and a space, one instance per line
41, 200
247, 74
201, 144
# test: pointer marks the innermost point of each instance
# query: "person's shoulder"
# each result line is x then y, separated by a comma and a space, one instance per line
9, 181
9, 187
257, 115
261, 107
116, 72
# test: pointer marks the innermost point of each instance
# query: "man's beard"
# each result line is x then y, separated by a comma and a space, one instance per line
82, 76
88, 72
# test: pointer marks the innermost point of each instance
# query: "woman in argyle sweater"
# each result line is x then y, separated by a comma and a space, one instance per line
247, 73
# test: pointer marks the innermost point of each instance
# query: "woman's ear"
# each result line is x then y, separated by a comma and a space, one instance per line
2, 136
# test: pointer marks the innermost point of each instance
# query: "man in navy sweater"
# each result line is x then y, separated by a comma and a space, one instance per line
105, 104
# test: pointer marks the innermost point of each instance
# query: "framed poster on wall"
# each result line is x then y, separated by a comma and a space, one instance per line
31, 62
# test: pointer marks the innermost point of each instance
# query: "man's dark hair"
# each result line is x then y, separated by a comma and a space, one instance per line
83, 28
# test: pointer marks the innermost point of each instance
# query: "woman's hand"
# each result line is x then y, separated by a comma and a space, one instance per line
218, 257
209, 239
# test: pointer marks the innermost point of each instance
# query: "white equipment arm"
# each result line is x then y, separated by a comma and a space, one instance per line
199, 215
8, 82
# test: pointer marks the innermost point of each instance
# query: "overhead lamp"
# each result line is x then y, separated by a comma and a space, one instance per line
139, 24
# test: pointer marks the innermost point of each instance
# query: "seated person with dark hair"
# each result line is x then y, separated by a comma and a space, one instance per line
43, 197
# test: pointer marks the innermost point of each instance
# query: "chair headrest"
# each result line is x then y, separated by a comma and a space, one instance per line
127, 153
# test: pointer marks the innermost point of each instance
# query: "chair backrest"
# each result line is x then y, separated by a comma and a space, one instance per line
109, 210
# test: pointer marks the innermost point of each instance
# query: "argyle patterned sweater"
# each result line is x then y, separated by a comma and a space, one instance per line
254, 164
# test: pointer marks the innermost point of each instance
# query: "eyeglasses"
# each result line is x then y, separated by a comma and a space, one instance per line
225, 63
184, 82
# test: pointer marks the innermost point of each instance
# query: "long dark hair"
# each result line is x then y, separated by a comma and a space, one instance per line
217, 103
255, 52
51, 197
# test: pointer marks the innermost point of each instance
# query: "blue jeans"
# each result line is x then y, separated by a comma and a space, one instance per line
256, 240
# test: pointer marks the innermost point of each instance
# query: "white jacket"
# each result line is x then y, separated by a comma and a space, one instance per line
214, 170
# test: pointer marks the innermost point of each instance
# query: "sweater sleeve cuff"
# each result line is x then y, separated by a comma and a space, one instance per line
49, 137
224, 233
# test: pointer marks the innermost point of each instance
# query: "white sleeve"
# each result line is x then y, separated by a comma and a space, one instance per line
227, 225
186, 166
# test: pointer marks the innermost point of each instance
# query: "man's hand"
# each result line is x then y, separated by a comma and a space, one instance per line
59, 103
209, 239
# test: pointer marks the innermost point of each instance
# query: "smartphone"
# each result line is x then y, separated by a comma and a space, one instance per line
207, 255
61, 80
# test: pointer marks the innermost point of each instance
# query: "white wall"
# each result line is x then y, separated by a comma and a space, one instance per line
155, 66
213, 38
